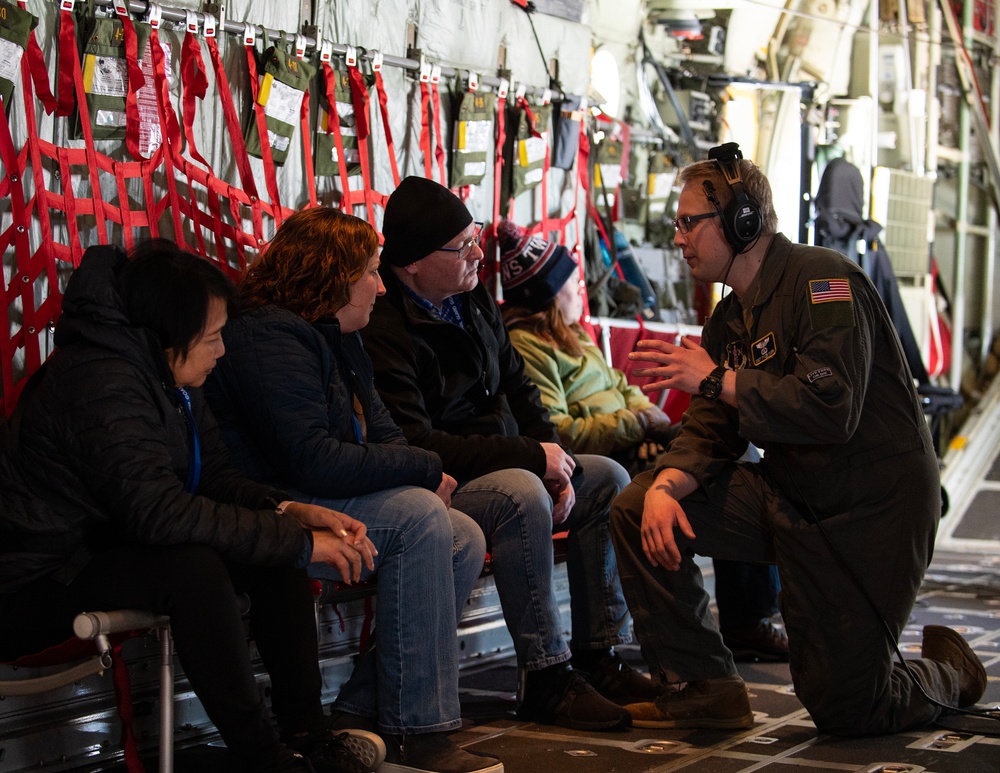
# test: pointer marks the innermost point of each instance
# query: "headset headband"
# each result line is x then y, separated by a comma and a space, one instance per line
741, 218
728, 158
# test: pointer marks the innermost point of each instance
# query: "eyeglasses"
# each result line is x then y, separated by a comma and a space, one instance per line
466, 247
683, 224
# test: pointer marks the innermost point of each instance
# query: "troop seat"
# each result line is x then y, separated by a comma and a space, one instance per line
75, 659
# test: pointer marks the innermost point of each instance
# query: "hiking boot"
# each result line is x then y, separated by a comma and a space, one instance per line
569, 700
944, 645
433, 753
346, 751
616, 680
720, 703
762, 641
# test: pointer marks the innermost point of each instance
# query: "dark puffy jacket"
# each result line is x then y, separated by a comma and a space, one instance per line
460, 393
284, 397
104, 441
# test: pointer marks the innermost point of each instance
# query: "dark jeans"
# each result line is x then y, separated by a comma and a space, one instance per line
198, 589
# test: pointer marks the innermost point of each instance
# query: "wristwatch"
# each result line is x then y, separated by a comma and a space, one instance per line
711, 386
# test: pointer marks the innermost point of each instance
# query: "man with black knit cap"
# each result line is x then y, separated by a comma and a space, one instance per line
446, 370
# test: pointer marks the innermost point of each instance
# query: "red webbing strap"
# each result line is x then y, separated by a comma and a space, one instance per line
307, 148
123, 694
136, 80
333, 127
501, 138
238, 144
383, 102
171, 134
236, 140
12, 188
40, 200
40, 72
99, 207
361, 100
265, 142
425, 128
438, 134
195, 85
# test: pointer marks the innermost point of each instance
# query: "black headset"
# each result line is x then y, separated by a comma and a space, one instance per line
741, 218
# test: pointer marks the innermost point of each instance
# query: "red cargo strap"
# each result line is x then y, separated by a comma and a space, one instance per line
307, 148
425, 121
136, 80
100, 210
123, 693
501, 137
333, 127
171, 150
40, 72
265, 141
383, 102
195, 86
361, 100
438, 134
238, 144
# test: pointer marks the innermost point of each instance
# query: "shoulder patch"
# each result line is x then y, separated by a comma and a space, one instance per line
829, 290
763, 349
831, 303
736, 357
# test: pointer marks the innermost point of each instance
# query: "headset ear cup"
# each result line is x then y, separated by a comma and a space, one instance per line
741, 218
741, 221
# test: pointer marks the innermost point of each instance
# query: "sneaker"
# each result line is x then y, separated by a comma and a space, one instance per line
434, 753
763, 641
944, 645
346, 751
720, 703
617, 681
287, 761
571, 701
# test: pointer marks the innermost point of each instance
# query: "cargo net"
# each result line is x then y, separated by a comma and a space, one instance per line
55, 200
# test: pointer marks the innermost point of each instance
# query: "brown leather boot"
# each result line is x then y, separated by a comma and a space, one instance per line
944, 645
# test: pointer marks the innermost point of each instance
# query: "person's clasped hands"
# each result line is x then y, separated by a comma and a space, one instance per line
338, 539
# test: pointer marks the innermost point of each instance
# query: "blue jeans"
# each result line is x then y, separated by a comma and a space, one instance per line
515, 512
428, 559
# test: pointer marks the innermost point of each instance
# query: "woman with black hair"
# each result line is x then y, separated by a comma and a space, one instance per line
140, 508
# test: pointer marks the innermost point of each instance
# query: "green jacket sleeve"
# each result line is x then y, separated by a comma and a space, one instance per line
583, 431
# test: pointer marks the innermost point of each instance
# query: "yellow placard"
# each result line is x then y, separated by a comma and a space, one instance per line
265, 89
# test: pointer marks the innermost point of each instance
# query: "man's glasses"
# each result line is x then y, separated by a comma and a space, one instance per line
683, 224
466, 247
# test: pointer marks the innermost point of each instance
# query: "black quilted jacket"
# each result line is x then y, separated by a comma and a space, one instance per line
284, 398
104, 442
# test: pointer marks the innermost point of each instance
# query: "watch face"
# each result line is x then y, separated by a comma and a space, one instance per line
711, 387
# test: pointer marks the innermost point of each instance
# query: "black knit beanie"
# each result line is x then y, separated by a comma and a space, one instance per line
420, 217
532, 270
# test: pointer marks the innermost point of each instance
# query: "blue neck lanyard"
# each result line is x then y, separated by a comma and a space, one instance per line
194, 465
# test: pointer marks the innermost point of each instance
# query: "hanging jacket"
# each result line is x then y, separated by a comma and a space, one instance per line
284, 397
104, 441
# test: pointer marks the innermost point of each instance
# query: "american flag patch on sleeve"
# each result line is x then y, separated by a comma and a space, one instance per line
827, 290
